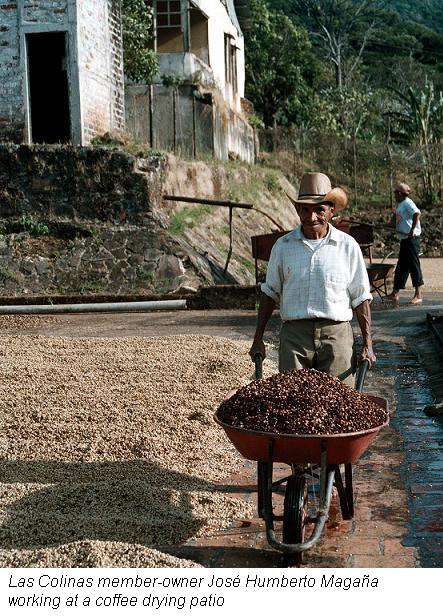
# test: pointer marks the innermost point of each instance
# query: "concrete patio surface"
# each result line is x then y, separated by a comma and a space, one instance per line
398, 483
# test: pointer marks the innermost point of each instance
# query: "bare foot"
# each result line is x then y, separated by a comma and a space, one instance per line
395, 298
416, 300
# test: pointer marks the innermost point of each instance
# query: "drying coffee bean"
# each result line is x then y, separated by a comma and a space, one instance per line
301, 402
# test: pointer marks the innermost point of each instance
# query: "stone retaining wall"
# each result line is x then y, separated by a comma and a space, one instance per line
101, 259
88, 221
76, 220
79, 183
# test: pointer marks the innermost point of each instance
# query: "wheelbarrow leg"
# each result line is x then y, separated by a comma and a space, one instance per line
349, 489
264, 488
345, 491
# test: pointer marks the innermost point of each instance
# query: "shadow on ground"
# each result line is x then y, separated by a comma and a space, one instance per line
131, 501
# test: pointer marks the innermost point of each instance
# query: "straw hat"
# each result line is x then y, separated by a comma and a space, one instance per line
316, 188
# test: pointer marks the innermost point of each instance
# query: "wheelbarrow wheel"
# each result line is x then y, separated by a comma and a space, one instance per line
295, 514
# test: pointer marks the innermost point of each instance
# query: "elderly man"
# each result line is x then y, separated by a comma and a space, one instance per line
317, 275
407, 224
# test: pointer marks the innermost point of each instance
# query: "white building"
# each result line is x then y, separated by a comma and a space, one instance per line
61, 70
200, 41
196, 104
61, 76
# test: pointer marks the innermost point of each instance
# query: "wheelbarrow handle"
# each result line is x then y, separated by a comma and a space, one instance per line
258, 360
361, 375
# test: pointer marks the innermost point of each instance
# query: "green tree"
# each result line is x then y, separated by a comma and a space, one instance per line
140, 62
350, 112
371, 37
279, 64
419, 114
341, 30
426, 12
402, 52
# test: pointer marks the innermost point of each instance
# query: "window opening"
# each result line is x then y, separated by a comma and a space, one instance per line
169, 26
169, 14
198, 22
231, 62
234, 68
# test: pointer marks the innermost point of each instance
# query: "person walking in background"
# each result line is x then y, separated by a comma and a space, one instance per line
407, 224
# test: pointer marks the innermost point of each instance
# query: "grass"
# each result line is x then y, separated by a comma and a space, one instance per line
187, 218
245, 192
247, 264
208, 158
26, 223
92, 286
222, 249
271, 182
146, 275
127, 144
143, 151
260, 181
6, 274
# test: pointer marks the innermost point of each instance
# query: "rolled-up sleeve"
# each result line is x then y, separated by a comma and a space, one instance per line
273, 284
359, 288
412, 208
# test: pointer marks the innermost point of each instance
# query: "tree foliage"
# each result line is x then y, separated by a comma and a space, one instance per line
350, 112
341, 30
373, 72
361, 47
140, 62
279, 64
426, 12
421, 114
418, 115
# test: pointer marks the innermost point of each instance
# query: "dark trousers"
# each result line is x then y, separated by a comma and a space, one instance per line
408, 263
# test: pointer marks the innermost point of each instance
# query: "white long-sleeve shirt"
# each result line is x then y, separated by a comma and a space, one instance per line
327, 282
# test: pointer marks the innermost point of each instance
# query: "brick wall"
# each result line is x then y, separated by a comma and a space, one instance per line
12, 115
45, 11
11, 97
116, 51
100, 67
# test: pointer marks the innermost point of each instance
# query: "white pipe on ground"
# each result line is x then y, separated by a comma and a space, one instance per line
104, 307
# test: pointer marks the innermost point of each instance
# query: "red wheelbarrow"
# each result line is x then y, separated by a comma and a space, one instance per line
325, 459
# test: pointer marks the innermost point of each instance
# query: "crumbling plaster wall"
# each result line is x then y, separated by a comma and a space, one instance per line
222, 19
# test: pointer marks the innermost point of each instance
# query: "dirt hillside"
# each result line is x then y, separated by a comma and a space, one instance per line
206, 228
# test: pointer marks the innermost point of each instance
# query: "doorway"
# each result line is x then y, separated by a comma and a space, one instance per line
49, 110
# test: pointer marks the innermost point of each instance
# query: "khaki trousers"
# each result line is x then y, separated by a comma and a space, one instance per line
318, 343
